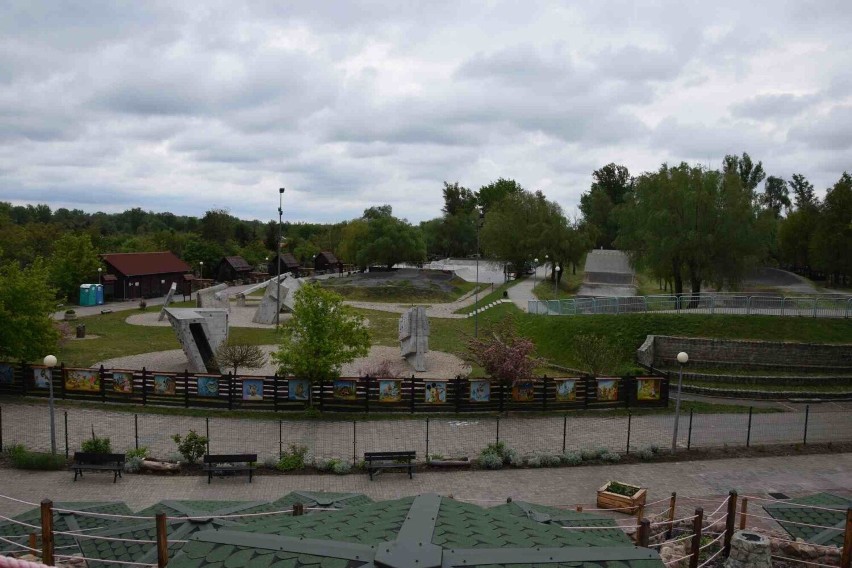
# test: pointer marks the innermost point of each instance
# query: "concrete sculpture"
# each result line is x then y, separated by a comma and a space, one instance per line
269, 304
167, 301
200, 331
414, 337
213, 297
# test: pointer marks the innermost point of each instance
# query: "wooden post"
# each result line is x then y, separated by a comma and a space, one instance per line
697, 526
672, 507
730, 521
579, 508
640, 512
162, 541
33, 542
47, 532
644, 534
743, 513
298, 509
846, 558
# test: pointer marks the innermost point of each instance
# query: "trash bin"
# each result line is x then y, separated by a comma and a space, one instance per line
81, 331
505, 293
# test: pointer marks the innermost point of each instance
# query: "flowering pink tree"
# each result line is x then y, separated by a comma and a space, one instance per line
505, 355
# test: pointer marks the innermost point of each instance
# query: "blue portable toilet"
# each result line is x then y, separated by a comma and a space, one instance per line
99, 296
88, 296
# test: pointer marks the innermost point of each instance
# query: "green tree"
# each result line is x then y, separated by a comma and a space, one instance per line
74, 262
321, 336
803, 192
354, 237
458, 200
749, 173
775, 195
389, 240
611, 185
832, 239
490, 195
27, 303
217, 226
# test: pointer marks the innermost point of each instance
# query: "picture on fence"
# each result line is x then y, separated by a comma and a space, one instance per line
648, 388
298, 389
390, 391
480, 391
344, 390
41, 377
253, 389
436, 392
523, 391
566, 390
607, 390
82, 380
164, 384
208, 386
122, 382
7, 375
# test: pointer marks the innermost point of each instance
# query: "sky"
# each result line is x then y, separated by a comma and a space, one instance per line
188, 106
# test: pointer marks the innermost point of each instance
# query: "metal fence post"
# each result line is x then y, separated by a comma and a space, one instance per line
1, 428
730, 521
807, 412
498, 429
564, 430
748, 434
629, 420
47, 532
367, 394
427, 439
66, 434
355, 442
697, 525
207, 431
280, 438
144, 386
136, 429
689, 435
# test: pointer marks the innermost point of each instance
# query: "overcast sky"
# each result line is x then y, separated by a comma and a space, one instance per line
185, 106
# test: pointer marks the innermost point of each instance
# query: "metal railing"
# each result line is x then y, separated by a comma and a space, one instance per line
834, 306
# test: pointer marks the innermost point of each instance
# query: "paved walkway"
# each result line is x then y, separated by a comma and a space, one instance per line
559, 486
522, 292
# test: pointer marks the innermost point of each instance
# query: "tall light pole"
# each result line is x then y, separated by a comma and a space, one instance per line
201, 269
50, 363
476, 293
278, 252
682, 359
535, 275
99, 274
556, 269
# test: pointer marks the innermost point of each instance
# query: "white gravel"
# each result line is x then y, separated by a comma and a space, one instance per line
440, 364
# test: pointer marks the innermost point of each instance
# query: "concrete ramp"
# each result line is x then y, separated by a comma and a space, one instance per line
200, 331
607, 274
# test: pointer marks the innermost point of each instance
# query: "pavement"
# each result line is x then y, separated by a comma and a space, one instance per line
565, 487
522, 292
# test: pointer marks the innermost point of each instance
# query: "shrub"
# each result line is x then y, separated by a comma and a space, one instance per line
327, 465
572, 458
514, 459
549, 460
143, 304
270, 462
293, 459
341, 468
589, 454
490, 460
97, 445
140, 452
191, 447
133, 464
645, 454
534, 461
611, 457
22, 458
654, 449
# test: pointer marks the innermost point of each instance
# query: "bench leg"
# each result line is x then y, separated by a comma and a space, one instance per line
209, 477
250, 472
115, 476
410, 472
75, 474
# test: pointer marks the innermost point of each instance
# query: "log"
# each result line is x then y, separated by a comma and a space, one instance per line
157, 465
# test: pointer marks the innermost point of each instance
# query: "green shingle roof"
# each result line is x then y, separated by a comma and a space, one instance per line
793, 512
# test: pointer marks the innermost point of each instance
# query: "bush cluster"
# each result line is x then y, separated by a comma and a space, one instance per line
22, 458
97, 445
292, 459
334, 465
191, 447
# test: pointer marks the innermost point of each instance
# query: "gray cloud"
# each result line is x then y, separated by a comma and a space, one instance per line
780, 106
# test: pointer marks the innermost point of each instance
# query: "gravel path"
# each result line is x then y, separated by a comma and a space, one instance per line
440, 364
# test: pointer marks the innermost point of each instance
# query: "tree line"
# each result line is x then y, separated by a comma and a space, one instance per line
691, 226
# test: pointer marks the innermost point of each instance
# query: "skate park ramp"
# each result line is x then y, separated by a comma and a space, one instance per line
607, 274
783, 282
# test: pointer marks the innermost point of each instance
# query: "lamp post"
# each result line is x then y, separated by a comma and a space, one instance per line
201, 269
556, 270
682, 359
50, 363
99, 274
162, 284
476, 293
278, 252
535, 274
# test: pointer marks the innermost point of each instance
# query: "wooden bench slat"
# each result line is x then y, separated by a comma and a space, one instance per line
228, 464
380, 461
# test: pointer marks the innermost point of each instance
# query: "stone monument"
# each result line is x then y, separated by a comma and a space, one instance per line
213, 297
167, 301
200, 331
269, 304
414, 337
749, 549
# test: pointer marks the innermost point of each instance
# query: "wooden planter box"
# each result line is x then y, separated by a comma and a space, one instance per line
625, 504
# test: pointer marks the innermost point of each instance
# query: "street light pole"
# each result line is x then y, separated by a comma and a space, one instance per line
682, 359
556, 269
50, 363
99, 274
476, 293
278, 251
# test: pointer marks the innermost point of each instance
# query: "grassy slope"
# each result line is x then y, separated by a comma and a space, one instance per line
492, 295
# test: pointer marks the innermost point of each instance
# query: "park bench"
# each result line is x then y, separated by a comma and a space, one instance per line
229, 464
89, 461
377, 462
